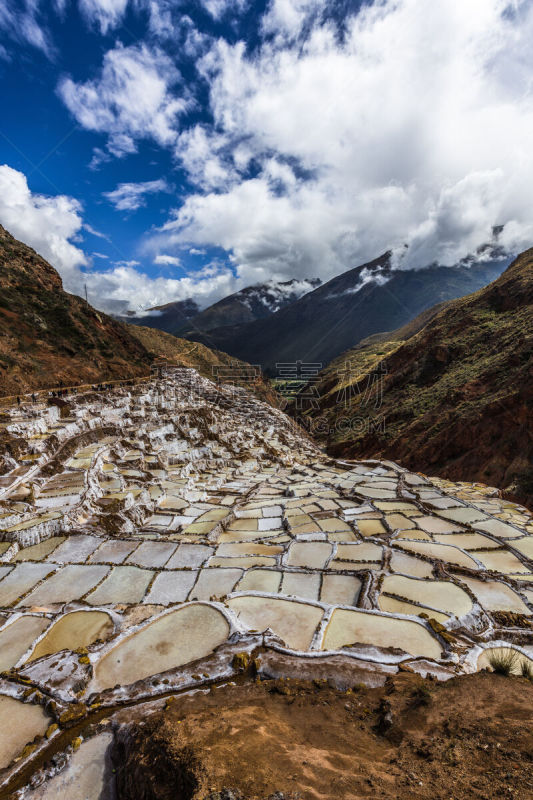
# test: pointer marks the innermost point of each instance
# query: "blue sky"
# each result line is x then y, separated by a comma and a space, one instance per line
159, 149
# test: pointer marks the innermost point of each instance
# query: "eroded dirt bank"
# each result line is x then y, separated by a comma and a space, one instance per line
471, 737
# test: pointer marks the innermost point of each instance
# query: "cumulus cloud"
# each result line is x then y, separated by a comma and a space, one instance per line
166, 260
124, 288
131, 196
45, 223
413, 127
131, 98
50, 224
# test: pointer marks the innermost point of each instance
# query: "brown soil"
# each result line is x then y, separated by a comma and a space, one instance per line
471, 737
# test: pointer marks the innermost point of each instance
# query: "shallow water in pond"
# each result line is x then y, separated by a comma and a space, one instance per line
442, 595
442, 552
171, 587
21, 580
301, 584
294, 622
215, 582
340, 590
21, 723
351, 627
70, 583
309, 554
18, 637
496, 596
394, 606
77, 629
260, 580
124, 584
177, 638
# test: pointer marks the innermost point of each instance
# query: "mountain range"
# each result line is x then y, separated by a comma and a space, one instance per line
184, 318
324, 322
451, 393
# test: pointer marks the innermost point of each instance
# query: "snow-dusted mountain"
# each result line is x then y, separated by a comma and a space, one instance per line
250, 304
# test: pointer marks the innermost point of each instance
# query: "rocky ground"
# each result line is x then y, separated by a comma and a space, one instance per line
164, 540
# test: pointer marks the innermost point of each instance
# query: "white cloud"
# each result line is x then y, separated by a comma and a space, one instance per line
413, 127
130, 100
22, 22
219, 8
100, 255
104, 13
45, 223
131, 196
50, 223
167, 260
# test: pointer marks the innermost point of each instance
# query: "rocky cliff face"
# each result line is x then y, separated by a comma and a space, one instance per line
457, 396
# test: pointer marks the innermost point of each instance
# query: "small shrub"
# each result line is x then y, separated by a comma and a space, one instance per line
526, 670
503, 661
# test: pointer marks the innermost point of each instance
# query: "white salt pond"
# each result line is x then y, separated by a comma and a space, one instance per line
21, 723
347, 628
293, 622
77, 629
177, 638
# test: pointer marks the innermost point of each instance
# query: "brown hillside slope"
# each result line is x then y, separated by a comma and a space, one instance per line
48, 335
457, 396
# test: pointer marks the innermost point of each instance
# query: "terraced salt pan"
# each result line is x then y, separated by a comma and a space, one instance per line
496, 596
365, 551
394, 606
502, 561
441, 552
340, 590
301, 584
466, 541
124, 584
293, 622
242, 561
21, 579
21, 723
152, 554
87, 776
248, 549
525, 546
112, 552
260, 580
70, 583
498, 528
77, 629
463, 514
370, 527
171, 587
309, 554
189, 555
442, 595
436, 525
216, 582
38, 552
75, 549
177, 638
17, 638
347, 628
409, 565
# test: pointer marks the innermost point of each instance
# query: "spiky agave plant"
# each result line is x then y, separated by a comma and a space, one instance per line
503, 661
